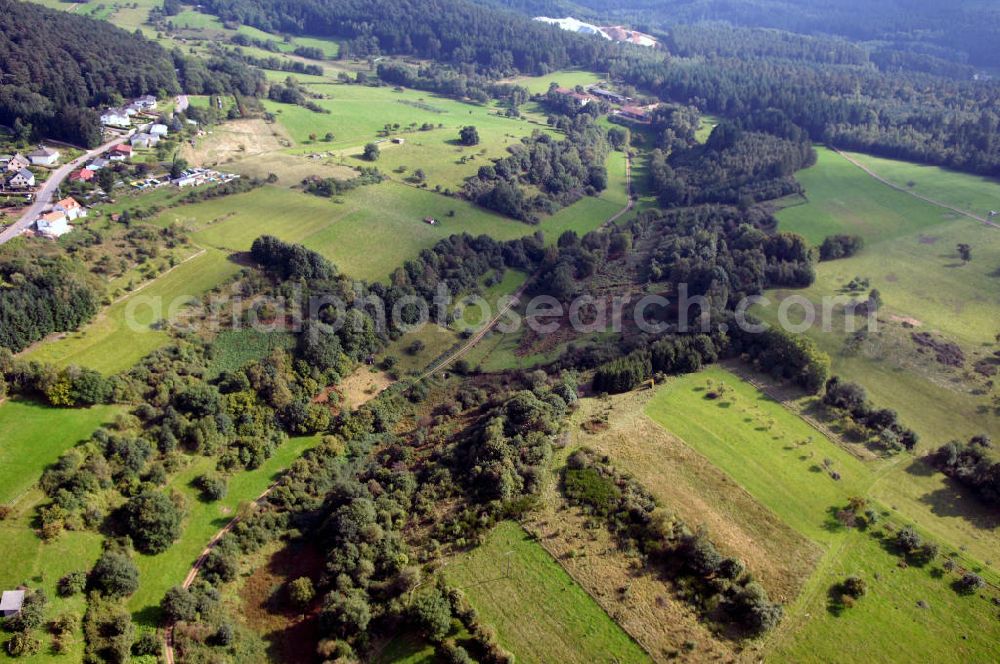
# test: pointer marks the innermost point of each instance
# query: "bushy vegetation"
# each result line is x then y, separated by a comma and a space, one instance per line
880, 424
973, 464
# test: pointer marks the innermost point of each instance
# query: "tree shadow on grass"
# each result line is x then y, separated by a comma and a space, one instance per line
952, 500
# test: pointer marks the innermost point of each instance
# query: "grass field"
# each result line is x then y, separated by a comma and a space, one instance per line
363, 235
910, 258
32, 437
159, 573
761, 446
234, 349
539, 612
967, 192
128, 330
567, 78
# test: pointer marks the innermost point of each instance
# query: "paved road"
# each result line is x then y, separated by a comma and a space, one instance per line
182, 103
44, 196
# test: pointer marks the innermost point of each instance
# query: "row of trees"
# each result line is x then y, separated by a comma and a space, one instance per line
638, 521
879, 425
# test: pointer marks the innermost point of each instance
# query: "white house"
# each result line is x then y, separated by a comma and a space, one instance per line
146, 102
115, 117
11, 602
23, 179
53, 224
71, 208
144, 140
16, 163
158, 130
44, 156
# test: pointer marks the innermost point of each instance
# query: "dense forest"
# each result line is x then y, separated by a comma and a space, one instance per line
59, 68
57, 65
43, 297
453, 31
960, 31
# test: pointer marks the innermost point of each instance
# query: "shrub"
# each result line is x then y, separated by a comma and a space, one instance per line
71, 584
301, 591
854, 586
213, 487
970, 583
179, 604
114, 575
153, 522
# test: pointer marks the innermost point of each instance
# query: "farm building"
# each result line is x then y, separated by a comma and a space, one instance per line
609, 95
636, 113
23, 179
44, 156
580, 99
11, 602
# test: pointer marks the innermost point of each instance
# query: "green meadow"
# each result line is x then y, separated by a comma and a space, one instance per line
975, 194
782, 463
33, 436
131, 328
568, 78
538, 610
910, 257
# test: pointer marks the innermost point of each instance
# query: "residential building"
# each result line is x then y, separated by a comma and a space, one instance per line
44, 156
98, 164
636, 113
580, 99
53, 224
11, 602
82, 175
158, 130
23, 179
146, 102
71, 208
115, 117
144, 140
17, 162
120, 152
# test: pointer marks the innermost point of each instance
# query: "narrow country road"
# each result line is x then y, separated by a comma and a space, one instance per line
44, 195
182, 103
905, 190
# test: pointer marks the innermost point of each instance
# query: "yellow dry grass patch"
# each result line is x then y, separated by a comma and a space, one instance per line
235, 139
648, 610
363, 385
689, 485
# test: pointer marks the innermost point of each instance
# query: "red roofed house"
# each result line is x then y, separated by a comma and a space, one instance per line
635, 113
70, 208
120, 152
82, 175
581, 99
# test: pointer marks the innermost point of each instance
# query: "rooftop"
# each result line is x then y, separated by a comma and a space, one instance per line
12, 600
